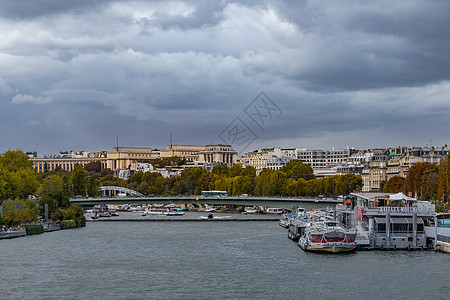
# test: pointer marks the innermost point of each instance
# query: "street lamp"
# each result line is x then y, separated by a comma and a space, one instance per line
443, 209
89, 186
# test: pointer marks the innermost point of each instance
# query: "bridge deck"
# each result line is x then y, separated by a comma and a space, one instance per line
279, 202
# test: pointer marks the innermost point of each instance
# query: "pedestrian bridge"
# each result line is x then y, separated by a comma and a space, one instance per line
277, 202
114, 190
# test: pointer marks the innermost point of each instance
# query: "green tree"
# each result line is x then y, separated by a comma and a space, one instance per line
345, 184
14, 160
107, 180
73, 212
17, 176
269, 183
20, 210
136, 178
79, 181
443, 185
54, 193
422, 180
223, 184
24, 182
94, 167
173, 161
148, 183
219, 169
190, 180
395, 184
235, 170
241, 185
249, 171
5, 186
296, 169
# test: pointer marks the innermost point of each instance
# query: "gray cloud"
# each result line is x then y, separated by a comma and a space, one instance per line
29, 9
74, 75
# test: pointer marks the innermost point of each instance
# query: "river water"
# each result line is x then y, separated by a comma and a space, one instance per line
207, 260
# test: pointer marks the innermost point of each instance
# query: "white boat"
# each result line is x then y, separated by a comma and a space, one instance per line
210, 208
127, 207
327, 236
156, 210
175, 212
251, 210
286, 220
91, 215
277, 211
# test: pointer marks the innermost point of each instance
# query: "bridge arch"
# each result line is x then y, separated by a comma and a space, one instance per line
115, 190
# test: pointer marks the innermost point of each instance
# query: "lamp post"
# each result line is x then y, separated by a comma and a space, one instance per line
443, 209
231, 191
89, 186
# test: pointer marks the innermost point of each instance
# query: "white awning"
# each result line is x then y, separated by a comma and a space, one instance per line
401, 196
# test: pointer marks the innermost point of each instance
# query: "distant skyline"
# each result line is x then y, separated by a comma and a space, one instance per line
74, 75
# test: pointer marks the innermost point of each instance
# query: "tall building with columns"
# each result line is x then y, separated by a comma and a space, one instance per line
218, 154
210, 154
128, 158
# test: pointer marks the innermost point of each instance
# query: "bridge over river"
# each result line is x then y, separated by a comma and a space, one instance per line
277, 202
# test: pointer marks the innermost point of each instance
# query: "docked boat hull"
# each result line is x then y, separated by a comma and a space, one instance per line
329, 248
327, 237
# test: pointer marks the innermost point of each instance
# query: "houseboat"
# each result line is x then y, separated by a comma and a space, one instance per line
327, 236
388, 221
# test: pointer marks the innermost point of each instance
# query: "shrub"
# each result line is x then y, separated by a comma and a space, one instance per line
66, 224
34, 229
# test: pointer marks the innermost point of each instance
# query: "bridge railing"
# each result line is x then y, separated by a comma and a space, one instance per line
195, 197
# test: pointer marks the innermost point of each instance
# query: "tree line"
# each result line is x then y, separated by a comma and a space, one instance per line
294, 179
24, 193
425, 181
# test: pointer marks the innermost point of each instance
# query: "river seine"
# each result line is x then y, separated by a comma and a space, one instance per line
207, 260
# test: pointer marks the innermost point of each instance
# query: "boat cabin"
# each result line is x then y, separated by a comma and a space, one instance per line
398, 232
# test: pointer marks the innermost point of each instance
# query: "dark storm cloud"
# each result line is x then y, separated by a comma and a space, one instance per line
29, 9
344, 73
364, 45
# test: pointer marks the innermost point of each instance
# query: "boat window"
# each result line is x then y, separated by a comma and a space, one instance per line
351, 238
399, 227
381, 227
334, 237
316, 238
419, 227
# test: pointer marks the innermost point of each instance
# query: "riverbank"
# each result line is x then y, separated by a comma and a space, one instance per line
180, 219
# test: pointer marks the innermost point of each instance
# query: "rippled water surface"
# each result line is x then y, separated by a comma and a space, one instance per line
207, 260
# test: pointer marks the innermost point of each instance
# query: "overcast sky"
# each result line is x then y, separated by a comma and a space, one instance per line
74, 75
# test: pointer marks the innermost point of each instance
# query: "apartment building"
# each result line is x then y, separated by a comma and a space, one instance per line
322, 159
256, 159
387, 163
268, 158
